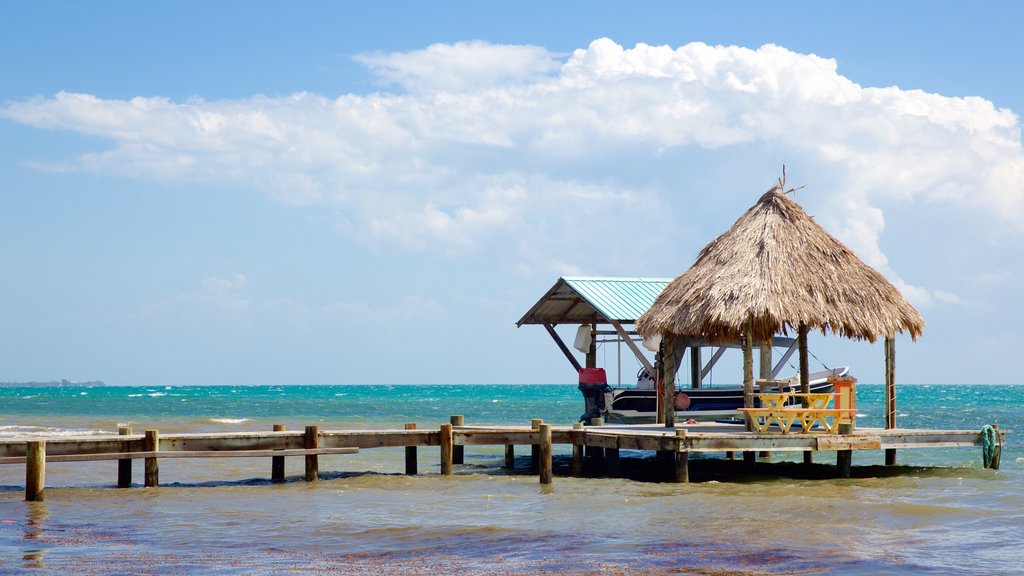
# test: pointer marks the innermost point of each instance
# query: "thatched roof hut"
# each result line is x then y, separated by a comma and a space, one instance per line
779, 268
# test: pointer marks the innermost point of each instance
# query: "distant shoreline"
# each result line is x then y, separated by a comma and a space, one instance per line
51, 383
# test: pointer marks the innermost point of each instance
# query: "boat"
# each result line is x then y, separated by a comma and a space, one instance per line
639, 404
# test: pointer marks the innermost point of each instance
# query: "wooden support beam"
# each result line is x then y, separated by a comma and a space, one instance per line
35, 471
632, 346
681, 473
151, 443
785, 358
510, 456
545, 454
612, 462
446, 449
592, 352
890, 394
844, 458
748, 371
535, 447
561, 346
312, 440
711, 363
805, 382
124, 467
577, 453
277, 462
668, 360
458, 451
764, 358
695, 373
411, 464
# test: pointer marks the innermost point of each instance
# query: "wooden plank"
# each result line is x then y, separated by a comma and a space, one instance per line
632, 346
843, 442
601, 440
379, 438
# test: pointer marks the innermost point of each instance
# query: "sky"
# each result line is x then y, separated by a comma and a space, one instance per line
375, 192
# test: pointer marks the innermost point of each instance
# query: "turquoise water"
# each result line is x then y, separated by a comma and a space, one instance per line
938, 512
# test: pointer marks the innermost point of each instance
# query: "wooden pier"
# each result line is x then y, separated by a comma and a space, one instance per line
675, 444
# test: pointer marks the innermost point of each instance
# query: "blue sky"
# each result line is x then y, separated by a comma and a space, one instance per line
229, 192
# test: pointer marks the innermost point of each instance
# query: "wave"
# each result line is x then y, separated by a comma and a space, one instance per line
229, 420
22, 431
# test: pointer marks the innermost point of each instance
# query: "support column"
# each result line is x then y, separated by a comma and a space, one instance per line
545, 454
844, 458
748, 372
411, 463
535, 447
35, 471
577, 452
446, 449
805, 382
152, 466
510, 456
277, 462
124, 467
668, 360
592, 352
312, 440
695, 379
890, 394
682, 469
458, 452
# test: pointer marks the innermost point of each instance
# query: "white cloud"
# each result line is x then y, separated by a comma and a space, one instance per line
492, 143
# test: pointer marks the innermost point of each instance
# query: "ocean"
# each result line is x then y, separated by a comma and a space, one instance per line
937, 512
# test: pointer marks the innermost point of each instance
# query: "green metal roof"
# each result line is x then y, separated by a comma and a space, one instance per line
576, 300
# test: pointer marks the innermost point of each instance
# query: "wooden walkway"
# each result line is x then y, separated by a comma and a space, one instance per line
604, 441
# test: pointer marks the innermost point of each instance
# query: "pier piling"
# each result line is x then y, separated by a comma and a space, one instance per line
682, 468
312, 440
458, 452
35, 470
577, 453
446, 449
545, 454
535, 448
510, 456
277, 462
411, 464
152, 466
124, 466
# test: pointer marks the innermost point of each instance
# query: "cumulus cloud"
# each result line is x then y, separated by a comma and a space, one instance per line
488, 141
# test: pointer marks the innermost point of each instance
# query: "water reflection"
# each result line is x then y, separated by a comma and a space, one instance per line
36, 514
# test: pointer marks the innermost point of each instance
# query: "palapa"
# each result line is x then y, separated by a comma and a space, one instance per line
774, 269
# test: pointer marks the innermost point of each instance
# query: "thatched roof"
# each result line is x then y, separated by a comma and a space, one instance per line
781, 267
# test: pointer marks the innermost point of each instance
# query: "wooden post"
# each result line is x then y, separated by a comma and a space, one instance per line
458, 452
805, 382
277, 462
997, 452
592, 352
577, 453
124, 467
510, 456
35, 471
151, 443
682, 469
596, 452
611, 462
411, 464
764, 357
545, 453
668, 360
890, 394
750, 460
748, 372
730, 455
844, 458
446, 449
695, 379
312, 440
534, 448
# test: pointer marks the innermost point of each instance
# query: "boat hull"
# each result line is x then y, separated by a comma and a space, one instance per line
630, 405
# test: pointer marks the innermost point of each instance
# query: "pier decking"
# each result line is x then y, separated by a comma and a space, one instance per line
607, 440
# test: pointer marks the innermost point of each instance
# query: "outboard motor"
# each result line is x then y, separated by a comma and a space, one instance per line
593, 385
